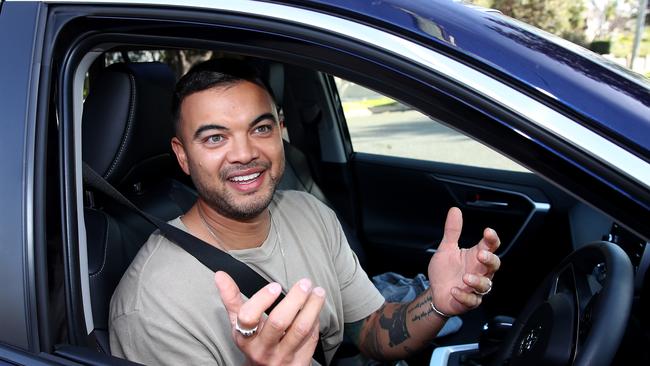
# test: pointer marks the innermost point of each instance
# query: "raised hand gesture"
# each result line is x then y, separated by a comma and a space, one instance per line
290, 333
460, 277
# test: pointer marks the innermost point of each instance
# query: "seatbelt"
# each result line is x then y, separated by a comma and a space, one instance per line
248, 281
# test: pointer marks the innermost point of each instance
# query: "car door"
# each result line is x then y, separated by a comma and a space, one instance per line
408, 169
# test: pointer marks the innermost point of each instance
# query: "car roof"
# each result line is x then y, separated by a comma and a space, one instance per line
610, 99
607, 98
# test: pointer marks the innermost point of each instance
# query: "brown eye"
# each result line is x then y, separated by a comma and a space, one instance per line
263, 129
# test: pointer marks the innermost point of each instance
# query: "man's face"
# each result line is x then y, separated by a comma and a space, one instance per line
230, 143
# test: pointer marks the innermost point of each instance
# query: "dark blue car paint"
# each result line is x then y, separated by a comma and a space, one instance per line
616, 106
18, 29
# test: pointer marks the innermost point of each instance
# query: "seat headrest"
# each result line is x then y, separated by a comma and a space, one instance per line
127, 123
272, 75
275, 80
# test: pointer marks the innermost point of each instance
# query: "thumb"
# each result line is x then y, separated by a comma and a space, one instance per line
453, 228
230, 294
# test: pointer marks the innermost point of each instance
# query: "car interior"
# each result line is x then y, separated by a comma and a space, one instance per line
392, 207
126, 139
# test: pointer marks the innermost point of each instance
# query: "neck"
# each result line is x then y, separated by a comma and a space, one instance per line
230, 233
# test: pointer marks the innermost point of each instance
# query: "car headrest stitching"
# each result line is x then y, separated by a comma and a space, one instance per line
127, 132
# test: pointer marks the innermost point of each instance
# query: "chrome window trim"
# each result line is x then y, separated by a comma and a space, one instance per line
78, 83
532, 110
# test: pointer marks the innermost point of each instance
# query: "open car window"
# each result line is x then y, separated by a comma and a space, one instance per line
380, 125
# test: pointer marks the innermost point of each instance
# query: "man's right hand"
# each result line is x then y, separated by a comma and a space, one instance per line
290, 333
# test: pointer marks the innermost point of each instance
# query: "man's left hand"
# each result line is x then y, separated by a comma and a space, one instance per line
460, 278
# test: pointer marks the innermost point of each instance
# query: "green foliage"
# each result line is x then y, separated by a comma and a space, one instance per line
483, 3
622, 44
602, 47
567, 19
563, 18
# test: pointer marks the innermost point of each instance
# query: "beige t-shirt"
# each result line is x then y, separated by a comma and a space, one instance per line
167, 310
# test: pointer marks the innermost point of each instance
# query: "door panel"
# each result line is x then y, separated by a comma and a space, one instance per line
409, 168
403, 204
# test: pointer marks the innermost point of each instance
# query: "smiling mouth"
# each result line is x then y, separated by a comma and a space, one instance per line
243, 179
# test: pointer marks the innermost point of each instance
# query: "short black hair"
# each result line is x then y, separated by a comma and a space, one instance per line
211, 74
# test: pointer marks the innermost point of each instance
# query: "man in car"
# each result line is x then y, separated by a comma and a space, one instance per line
167, 309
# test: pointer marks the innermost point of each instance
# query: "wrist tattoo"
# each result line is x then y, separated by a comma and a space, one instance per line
421, 309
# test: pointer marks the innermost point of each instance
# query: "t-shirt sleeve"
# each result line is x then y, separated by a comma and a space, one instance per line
360, 297
136, 337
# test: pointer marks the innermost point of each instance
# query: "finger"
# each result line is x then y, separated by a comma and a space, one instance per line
469, 300
490, 240
478, 284
308, 347
490, 260
230, 294
302, 327
251, 311
285, 312
453, 228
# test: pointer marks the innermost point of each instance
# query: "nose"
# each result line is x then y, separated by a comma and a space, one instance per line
242, 150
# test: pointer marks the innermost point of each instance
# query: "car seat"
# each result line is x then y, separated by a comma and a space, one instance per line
126, 130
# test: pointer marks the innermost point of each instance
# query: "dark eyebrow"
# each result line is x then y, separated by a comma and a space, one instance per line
262, 118
200, 130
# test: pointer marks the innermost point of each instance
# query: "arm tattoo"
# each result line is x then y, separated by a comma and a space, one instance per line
421, 310
379, 335
396, 326
368, 344
372, 343
353, 331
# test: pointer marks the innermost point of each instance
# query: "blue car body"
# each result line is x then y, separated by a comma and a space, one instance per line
608, 97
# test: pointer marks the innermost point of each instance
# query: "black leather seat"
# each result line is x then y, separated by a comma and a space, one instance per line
126, 139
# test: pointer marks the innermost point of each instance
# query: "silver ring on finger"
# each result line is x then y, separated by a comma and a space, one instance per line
485, 292
244, 331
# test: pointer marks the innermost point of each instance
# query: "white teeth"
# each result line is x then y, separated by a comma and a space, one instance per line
243, 178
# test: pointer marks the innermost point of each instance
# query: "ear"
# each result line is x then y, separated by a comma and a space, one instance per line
179, 150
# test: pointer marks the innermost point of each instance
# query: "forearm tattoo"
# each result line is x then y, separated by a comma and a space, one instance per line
421, 309
395, 325
389, 323
372, 344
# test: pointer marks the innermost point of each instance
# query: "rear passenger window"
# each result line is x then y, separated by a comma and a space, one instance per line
383, 126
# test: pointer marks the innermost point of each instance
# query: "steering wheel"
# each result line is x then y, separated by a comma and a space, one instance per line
578, 315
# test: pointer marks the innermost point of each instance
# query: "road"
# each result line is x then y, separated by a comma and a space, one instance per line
411, 134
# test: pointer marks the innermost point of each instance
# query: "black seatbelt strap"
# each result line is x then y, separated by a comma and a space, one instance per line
248, 281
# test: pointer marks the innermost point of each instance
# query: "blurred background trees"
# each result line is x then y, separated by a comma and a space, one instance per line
605, 26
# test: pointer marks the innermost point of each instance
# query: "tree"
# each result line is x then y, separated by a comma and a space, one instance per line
563, 18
